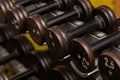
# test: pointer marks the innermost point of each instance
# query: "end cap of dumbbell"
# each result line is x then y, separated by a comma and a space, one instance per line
108, 18
82, 55
109, 66
14, 18
20, 43
7, 32
56, 42
86, 7
61, 72
68, 4
36, 29
30, 59
37, 58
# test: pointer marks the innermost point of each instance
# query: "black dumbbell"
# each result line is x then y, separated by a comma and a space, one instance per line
89, 53
37, 63
66, 73
37, 24
6, 33
89, 38
109, 60
9, 30
109, 64
62, 72
16, 47
18, 16
103, 20
7, 4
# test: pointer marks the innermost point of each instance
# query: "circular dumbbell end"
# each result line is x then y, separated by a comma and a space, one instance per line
36, 29
82, 55
20, 43
61, 73
56, 41
32, 59
86, 7
36, 58
109, 65
13, 16
107, 16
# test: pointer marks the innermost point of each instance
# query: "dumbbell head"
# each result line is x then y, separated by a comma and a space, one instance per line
85, 5
66, 4
56, 42
61, 73
107, 16
6, 33
109, 66
82, 54
86, 8
20, 43
16, 17
17, 48
37, 58
4, 6
35, 28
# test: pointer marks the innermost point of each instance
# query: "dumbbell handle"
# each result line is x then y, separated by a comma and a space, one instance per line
104, 43
38, 68
23, 2
10, 57
82, 29
44, 9
25, 75
64, 17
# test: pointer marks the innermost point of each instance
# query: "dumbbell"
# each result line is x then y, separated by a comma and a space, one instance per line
37, 24
37, 63
58, 40
109, 64
18, 15
109, 61
63, 72
9, 30
6, 33
16, 47
89, 53
13, 15
8, 4
89, 38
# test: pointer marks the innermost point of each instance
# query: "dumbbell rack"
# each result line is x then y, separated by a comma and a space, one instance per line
80, 40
